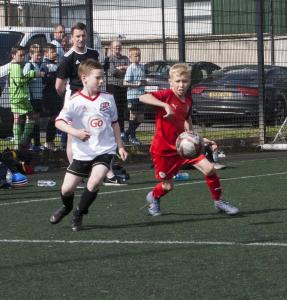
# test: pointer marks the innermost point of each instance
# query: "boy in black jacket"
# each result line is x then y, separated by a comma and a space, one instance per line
52, 102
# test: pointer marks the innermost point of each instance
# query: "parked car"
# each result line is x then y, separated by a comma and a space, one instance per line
232, 94
157, 73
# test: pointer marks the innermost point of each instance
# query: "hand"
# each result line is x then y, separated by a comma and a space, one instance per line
123, 153
82, 134
169, 111
211, 144
40, 74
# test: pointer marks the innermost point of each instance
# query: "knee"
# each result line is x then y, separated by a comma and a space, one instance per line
167, 186
66, 193
210, 171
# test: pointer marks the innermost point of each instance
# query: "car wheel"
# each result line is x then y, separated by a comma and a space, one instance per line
279, 111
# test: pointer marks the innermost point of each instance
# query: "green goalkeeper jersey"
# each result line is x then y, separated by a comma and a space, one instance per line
19, 89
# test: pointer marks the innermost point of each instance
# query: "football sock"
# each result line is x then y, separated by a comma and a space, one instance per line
28, 129
68, 201
36, 135
50, 131
17, 132
133, 125
214, 186
87, 199
158, 191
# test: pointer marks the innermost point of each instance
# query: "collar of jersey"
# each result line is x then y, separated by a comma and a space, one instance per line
87, 97
86, 49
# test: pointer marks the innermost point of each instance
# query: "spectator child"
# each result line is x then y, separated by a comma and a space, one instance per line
52, 102
18, 86
91, 119
173, 107
36, 91
135, 81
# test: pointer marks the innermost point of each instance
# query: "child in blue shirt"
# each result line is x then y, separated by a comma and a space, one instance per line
135, 81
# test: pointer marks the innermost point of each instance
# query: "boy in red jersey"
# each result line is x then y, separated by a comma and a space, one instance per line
173, 110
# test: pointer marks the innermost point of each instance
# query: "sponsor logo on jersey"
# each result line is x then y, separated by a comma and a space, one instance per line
77, 62
96, 123
162, 175
105, 106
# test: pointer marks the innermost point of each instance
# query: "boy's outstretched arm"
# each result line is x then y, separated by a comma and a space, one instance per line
151, 100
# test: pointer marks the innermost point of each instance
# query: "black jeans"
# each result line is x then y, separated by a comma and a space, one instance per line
120, 95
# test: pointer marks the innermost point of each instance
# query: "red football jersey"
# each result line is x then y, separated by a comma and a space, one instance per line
167, 130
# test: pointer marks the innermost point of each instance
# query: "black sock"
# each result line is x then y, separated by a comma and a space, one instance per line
68, 201
36, 135
87, 199
133, 125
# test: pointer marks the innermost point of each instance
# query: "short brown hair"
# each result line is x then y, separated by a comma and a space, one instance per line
14, 50
34, 48
50, 46
79, 26
86, 66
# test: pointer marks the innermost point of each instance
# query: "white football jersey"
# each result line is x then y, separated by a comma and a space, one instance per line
96, 115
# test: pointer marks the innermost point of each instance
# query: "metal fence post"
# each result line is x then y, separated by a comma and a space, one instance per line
259, 10
163, 30
89, 22
180, 30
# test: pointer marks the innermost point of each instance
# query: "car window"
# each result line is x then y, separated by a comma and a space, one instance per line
234, 76
8, 40
151, 69
163, 71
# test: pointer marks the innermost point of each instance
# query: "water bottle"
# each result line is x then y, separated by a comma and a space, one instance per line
46, 183
181, 176
9, 176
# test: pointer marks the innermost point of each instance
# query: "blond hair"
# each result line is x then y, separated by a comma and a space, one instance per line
180, 69
134, 49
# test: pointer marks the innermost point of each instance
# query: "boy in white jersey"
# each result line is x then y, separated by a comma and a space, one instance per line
92, 121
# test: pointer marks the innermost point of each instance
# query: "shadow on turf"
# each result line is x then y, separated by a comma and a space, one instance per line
158, 221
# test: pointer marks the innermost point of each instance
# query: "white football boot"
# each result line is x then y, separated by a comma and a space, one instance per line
153, 205
226, 207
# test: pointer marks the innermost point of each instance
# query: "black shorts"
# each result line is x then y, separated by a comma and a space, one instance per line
135, 105
82, 168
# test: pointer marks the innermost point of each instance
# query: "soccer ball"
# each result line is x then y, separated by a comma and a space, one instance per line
189, 144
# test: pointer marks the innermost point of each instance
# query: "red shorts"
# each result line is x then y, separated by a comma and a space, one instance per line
168, 166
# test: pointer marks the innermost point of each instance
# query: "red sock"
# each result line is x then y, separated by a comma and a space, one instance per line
214, 186
158, 191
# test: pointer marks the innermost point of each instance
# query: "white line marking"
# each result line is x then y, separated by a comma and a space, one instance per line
144, 188
147, 242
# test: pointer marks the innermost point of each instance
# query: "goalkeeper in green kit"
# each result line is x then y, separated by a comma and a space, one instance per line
19, 96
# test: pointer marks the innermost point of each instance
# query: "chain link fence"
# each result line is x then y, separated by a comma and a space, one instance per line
227, 43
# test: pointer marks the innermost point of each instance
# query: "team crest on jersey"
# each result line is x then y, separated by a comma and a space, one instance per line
105, 106
162, 175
